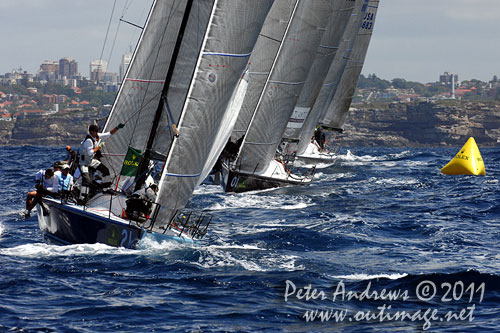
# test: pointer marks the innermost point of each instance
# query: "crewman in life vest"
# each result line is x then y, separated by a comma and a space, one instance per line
90, 154
65, 181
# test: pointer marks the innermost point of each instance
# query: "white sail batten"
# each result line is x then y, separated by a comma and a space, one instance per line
282, 88
338, 109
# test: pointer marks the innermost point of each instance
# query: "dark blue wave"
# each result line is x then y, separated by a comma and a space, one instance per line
382, 216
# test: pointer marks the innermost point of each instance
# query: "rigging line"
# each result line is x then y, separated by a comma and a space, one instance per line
110, 115
114, 41
291, 17
132, 24
186, 13
106, 37
107, 156
173, 8
202, 35
125, 8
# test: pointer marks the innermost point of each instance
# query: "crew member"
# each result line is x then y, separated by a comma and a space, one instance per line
65, 181
46, 184
71, 159
139, 203
89, 155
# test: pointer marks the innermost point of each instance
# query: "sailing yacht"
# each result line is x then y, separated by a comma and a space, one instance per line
185, 73
278, 70
333, 102
344, 13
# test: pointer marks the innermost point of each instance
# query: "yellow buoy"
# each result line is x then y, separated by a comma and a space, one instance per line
468, 161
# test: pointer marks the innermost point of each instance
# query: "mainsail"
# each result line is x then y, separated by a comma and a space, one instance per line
175, 97
334, 74
283, 81
262, 60
338, 109
325, 54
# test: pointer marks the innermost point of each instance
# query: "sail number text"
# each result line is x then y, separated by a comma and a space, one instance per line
368, 21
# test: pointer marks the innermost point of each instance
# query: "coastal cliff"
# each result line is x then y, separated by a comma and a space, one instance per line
423, 124
449, 123
48, 130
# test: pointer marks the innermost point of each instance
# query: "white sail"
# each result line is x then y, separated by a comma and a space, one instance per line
227, 45
282, 87
325, 55
262, 60
214, 40
336, 114
334, 74
140, 92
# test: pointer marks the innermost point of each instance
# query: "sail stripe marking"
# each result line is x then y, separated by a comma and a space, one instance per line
142, 80
288, 83
329, 47
243, 55
260, 143
181, 175
258, 73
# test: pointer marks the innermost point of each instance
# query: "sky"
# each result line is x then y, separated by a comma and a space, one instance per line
416, 40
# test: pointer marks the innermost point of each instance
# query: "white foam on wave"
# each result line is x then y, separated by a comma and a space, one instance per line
250, 258
400, 155
247, 200
150, 245
396, 181
416, 163
9, 212
207, 189
300, 205
1, 229
349, 156
39, 250
318, 175
237, 247
146, 246
363, 276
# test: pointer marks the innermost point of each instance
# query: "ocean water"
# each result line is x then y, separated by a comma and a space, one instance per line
381, 241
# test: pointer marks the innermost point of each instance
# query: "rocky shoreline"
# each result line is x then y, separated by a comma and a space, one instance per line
396, 125
424, 125
58, 129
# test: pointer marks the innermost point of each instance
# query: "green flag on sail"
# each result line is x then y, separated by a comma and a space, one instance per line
131, 162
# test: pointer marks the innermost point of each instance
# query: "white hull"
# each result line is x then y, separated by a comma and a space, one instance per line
313, 156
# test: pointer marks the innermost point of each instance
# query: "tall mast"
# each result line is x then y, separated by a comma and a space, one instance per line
156, 121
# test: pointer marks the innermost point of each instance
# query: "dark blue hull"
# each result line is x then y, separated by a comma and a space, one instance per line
234, 181
67, 224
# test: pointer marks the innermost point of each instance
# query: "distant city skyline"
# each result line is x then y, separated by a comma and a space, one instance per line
414, 40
